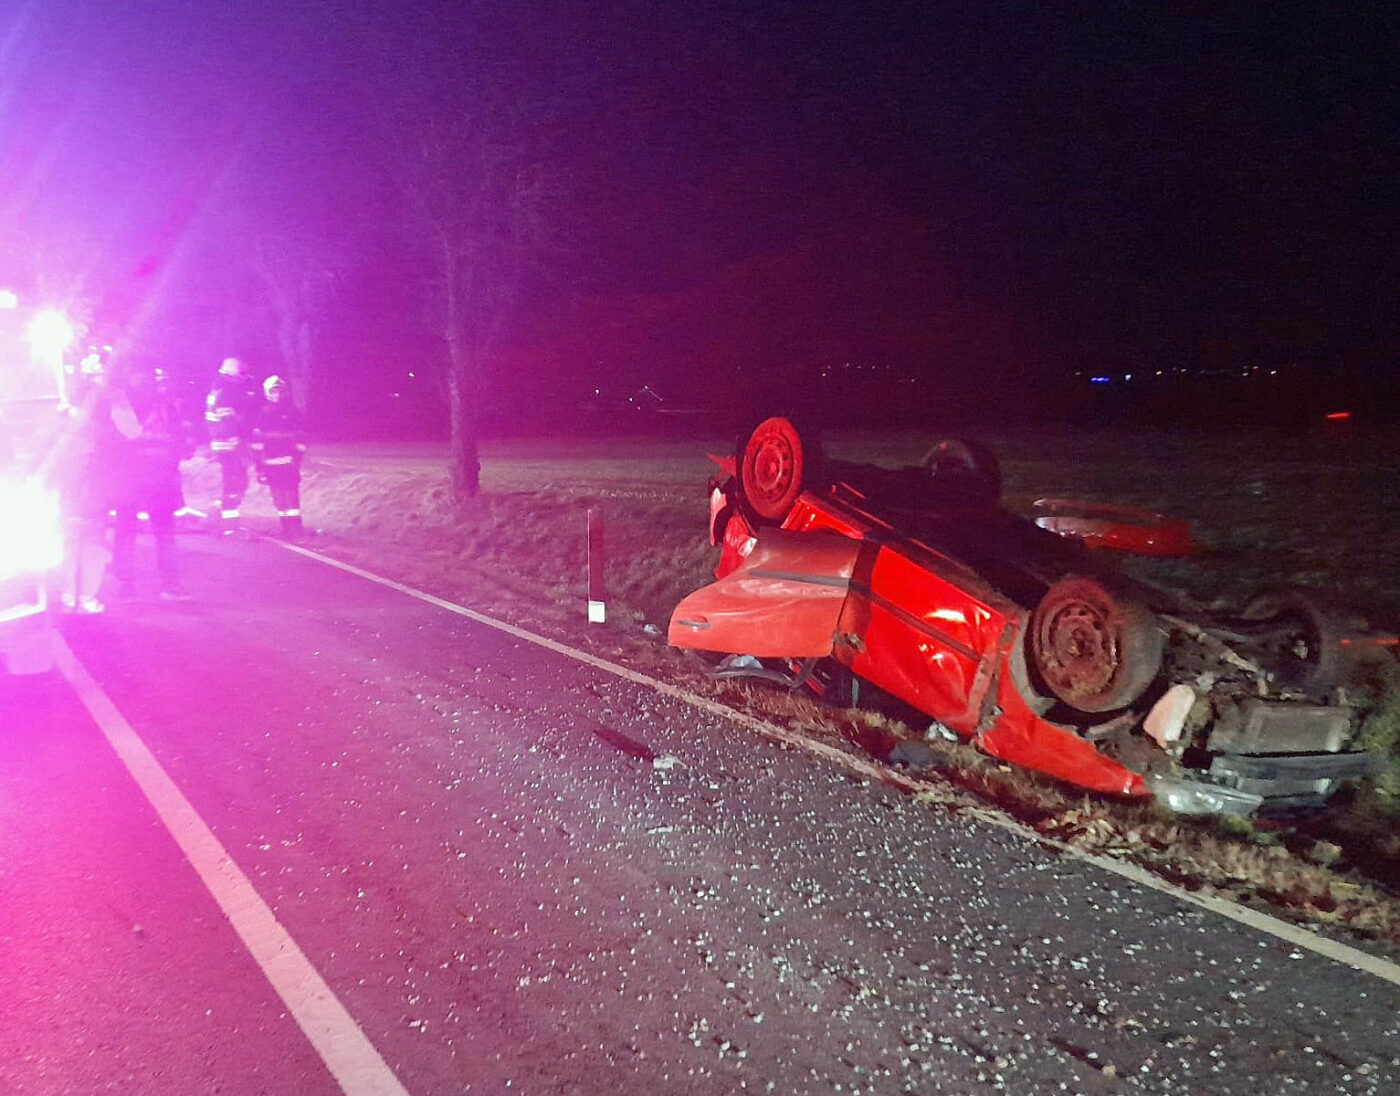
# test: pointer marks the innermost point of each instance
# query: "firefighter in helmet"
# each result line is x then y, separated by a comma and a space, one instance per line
278, 447
230, 411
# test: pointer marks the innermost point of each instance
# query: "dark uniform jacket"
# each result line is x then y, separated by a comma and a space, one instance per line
277, 441
151, 461
230, 412
88, 455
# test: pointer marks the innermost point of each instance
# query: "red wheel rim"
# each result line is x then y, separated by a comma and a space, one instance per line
1091, 650
772, 470
1078, 646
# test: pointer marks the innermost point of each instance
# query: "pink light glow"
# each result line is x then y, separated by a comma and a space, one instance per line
50, 334
32, 537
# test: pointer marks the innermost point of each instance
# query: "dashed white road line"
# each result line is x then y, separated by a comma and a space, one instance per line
349, 1055
1292, 934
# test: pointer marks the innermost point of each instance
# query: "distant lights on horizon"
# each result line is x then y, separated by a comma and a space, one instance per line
1212, 374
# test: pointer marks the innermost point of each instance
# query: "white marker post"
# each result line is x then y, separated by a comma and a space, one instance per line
597, 609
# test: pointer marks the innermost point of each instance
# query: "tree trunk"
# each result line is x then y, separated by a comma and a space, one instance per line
301, 370
466, 467
463, 389
294, 340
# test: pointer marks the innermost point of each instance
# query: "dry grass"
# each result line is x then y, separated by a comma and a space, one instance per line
519, 552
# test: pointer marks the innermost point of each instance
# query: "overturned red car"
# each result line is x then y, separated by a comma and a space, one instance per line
1016, 632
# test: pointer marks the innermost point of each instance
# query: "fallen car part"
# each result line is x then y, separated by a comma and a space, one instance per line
1198, 797
1295, 780
1257, 726
1121, 528
750, 667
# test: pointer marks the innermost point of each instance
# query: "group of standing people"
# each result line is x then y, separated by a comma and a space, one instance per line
118, 463
264, 430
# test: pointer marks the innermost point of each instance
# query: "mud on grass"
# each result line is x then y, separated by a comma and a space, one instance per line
519, 552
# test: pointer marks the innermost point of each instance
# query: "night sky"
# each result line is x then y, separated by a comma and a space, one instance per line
1000, 190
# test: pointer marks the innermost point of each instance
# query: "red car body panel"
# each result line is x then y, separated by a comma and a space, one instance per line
1117, 528
1019, 735
921, 638
784, 599
837, 581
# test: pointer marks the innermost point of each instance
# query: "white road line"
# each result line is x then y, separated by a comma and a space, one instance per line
348, 1054
1261, 922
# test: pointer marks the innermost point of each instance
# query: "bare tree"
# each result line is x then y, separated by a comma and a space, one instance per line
299, 275
476, 184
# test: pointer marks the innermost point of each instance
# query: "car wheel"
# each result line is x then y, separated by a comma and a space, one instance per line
1092, 651
967, 469
1302, 646
772, 468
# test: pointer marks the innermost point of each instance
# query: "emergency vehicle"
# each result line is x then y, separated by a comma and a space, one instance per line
33, 342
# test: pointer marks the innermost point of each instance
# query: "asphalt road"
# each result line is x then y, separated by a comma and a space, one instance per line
494, 869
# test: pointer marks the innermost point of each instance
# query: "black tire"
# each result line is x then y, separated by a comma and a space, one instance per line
1305, 652
967, 469
1091, 650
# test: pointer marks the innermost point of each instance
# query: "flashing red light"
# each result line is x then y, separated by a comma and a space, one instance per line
1338, 416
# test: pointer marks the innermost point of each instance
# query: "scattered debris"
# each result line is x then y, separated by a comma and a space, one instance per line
630, 746
916, 755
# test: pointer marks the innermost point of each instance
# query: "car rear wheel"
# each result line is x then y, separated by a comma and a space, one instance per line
965, 469
1091, 650
772, 468
1302, 646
